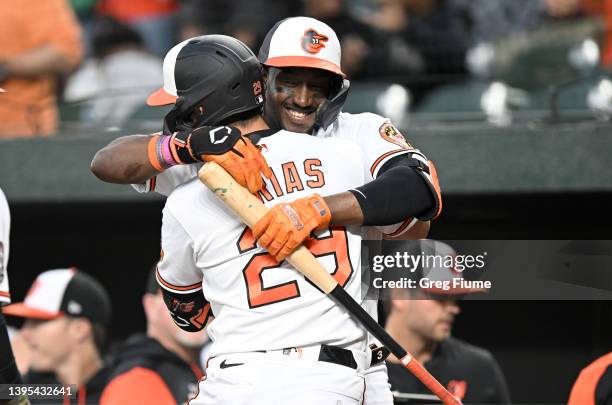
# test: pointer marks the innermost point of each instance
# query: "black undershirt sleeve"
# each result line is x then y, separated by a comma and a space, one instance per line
399, 192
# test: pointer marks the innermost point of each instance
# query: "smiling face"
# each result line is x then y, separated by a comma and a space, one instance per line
293, 96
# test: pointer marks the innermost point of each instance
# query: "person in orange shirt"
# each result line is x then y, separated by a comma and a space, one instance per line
39, 40
594, 384
603, 8
154, 20
159, 368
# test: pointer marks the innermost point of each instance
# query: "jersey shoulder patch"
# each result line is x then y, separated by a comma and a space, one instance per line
391, 134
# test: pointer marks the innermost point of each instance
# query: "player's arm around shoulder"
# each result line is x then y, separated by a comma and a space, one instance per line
124, 161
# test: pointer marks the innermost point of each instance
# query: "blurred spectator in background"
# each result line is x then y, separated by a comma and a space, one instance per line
154, 20
118, 79
603, 8
364, 51
39, 41
161, 367
85, 11
67, 314
247, 20
427, 37
594, 384
421, 320
493, 20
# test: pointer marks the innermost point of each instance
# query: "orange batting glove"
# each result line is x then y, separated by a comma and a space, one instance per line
287, 225
244, 162
223, 145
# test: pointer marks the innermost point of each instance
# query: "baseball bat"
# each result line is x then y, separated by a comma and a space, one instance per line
250, 210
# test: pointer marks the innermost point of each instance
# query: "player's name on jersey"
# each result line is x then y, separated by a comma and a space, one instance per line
426, 283
309, 175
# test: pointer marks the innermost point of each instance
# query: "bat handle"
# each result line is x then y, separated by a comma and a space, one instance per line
429, 381
398, 351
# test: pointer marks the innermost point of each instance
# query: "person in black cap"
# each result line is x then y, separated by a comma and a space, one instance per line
420, 319
67, 314
161, 367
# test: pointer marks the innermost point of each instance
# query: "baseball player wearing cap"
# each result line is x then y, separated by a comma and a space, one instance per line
421, 321
306, 110
67, 313
274, 335
161, 367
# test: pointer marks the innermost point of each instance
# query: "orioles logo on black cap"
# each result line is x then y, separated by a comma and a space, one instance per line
312, 41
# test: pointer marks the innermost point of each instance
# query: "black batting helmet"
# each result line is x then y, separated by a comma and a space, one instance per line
216, 72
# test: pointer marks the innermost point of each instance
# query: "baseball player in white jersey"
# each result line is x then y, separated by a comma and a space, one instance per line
5, 226
360, 128
9, 374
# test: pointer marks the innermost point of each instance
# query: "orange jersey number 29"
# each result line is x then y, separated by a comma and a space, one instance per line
336, 243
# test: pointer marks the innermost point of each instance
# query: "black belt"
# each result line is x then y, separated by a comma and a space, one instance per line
329, 354
343, 357
337, 355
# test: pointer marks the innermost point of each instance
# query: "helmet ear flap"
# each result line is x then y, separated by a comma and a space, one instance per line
329, 111
175, 117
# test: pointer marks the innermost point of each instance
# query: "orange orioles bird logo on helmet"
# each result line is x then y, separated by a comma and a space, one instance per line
312, 41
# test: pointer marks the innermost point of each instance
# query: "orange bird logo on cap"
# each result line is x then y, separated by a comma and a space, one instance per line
312, 41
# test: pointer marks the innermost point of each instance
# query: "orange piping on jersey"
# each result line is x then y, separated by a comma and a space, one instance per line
5, 294
292, 178
383, 157
177, 287
152, 183
402, 228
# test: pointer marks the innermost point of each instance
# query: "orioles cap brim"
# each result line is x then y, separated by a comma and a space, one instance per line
160, 97
304, 61
24, 311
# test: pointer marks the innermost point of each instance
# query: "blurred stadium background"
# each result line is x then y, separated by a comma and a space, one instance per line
511, 98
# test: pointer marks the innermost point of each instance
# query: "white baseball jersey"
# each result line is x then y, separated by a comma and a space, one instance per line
259, 304
366, 130
5, 226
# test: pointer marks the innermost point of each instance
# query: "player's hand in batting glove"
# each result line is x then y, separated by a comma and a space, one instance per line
288, 225
225, 146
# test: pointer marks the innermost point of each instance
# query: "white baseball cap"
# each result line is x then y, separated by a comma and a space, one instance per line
167, 93
302, 42
60, 292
